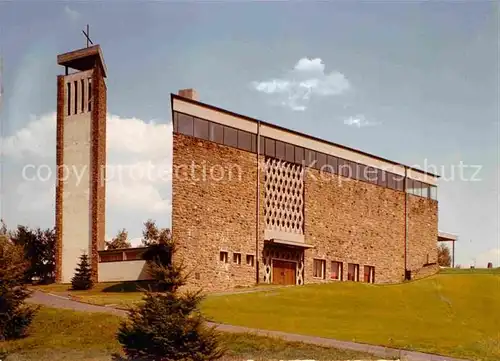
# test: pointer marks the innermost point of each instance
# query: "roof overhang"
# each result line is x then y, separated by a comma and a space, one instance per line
447, 237
290, 243
225, 117
83, 59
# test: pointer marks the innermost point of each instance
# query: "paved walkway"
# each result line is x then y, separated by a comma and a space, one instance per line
56, 301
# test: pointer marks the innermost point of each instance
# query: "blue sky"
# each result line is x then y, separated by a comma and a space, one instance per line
423, 87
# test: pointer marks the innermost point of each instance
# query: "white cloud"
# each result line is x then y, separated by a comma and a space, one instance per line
73, 15
37, 139
307, 79
139, 158
132, 135
136, 242
306, 64
359, 121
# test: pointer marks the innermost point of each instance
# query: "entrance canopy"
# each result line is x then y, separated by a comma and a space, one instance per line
290, 243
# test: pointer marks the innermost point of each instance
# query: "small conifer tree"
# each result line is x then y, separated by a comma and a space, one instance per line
82, 280
168, 325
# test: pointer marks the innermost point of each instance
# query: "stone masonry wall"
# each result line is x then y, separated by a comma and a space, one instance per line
214, 213
98, 175
422, 232
59, 181
346, 220
352, 221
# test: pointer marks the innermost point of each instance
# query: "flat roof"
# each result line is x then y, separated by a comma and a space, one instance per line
291, 131
83, 59
444, 236
120, 250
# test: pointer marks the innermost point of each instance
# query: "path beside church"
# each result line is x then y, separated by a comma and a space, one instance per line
57, 301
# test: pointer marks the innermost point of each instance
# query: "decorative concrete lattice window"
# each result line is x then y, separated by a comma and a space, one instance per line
284, 196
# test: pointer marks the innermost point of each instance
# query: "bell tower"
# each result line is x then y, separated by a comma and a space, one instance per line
81, 160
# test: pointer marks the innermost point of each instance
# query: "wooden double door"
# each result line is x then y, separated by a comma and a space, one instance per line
284, 272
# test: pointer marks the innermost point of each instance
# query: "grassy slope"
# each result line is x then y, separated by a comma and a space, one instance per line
451, 314
120, 295
58, 335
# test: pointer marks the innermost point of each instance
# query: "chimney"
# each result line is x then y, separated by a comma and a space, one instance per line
189, 93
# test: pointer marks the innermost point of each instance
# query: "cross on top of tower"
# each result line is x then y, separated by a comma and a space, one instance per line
87, 35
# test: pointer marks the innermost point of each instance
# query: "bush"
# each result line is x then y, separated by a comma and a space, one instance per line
82, 280
15, 315
168, 325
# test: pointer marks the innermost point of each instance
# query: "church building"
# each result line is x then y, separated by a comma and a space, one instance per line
252, 202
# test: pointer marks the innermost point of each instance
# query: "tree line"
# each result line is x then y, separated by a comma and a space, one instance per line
168, 325
39, 247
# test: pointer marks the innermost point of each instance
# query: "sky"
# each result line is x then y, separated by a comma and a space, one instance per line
415, 82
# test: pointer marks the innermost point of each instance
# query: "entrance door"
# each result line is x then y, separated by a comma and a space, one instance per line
284, 272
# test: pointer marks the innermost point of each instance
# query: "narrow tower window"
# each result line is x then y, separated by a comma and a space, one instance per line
68, 99
76, 97
90, 94
83, 95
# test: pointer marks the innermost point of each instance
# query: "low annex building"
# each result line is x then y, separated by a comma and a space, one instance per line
251, 202
257, 203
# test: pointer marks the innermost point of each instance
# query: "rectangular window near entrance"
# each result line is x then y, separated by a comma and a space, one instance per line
237, 258
369, 274
223, 257
250, 259
319, 268
336, 271
353, 272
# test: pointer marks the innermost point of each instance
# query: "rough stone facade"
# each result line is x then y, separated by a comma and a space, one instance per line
98, 175
213, 211
351, 221
422, 232
59, 182
348, 218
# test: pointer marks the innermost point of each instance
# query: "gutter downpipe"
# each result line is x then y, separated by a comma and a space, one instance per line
406, 276
257, 208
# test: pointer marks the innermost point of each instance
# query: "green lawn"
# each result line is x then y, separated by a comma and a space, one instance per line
477, 271
62, 335
455, 314
116, 294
